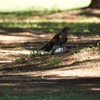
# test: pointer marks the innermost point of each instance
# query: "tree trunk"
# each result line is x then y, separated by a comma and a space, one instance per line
95, 4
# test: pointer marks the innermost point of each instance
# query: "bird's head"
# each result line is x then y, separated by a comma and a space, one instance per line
65, 29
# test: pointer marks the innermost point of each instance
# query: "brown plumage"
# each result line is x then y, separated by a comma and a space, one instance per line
58, 39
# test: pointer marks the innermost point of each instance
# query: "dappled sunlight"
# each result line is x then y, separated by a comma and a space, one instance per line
14, 39
26, 71
95, 89
87, 54
48, 84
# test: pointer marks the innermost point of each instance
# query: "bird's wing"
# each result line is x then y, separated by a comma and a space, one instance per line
55, 39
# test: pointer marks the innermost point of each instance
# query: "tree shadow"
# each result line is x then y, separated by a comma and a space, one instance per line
48, 84
37, 85
80, 32
24, 67
90, 12
44, 28
20, 14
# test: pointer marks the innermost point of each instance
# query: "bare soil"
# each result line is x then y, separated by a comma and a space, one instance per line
81, 69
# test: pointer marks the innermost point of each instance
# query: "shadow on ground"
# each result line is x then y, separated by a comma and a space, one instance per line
45, 64
46, 85
81, 34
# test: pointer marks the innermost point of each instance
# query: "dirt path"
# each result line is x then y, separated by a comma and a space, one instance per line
32, 41
85, 64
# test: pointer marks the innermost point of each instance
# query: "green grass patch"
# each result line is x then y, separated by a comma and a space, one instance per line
45, 5
14, 9
49, 97
64, 94
86, 28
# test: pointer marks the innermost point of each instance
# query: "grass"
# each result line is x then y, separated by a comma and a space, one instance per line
29, 59
53, 26
53, 61
63, 94
42, 88
86, 28
49, 97
33, 5
25, 19
77, 62
37, 53
23, 9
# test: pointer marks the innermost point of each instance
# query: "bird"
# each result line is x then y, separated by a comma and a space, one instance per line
58, 39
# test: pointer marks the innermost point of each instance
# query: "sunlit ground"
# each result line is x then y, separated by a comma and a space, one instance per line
26, 76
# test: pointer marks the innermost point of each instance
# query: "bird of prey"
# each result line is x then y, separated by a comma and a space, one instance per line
58, 39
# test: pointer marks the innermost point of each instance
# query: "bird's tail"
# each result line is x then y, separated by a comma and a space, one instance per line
47, 47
